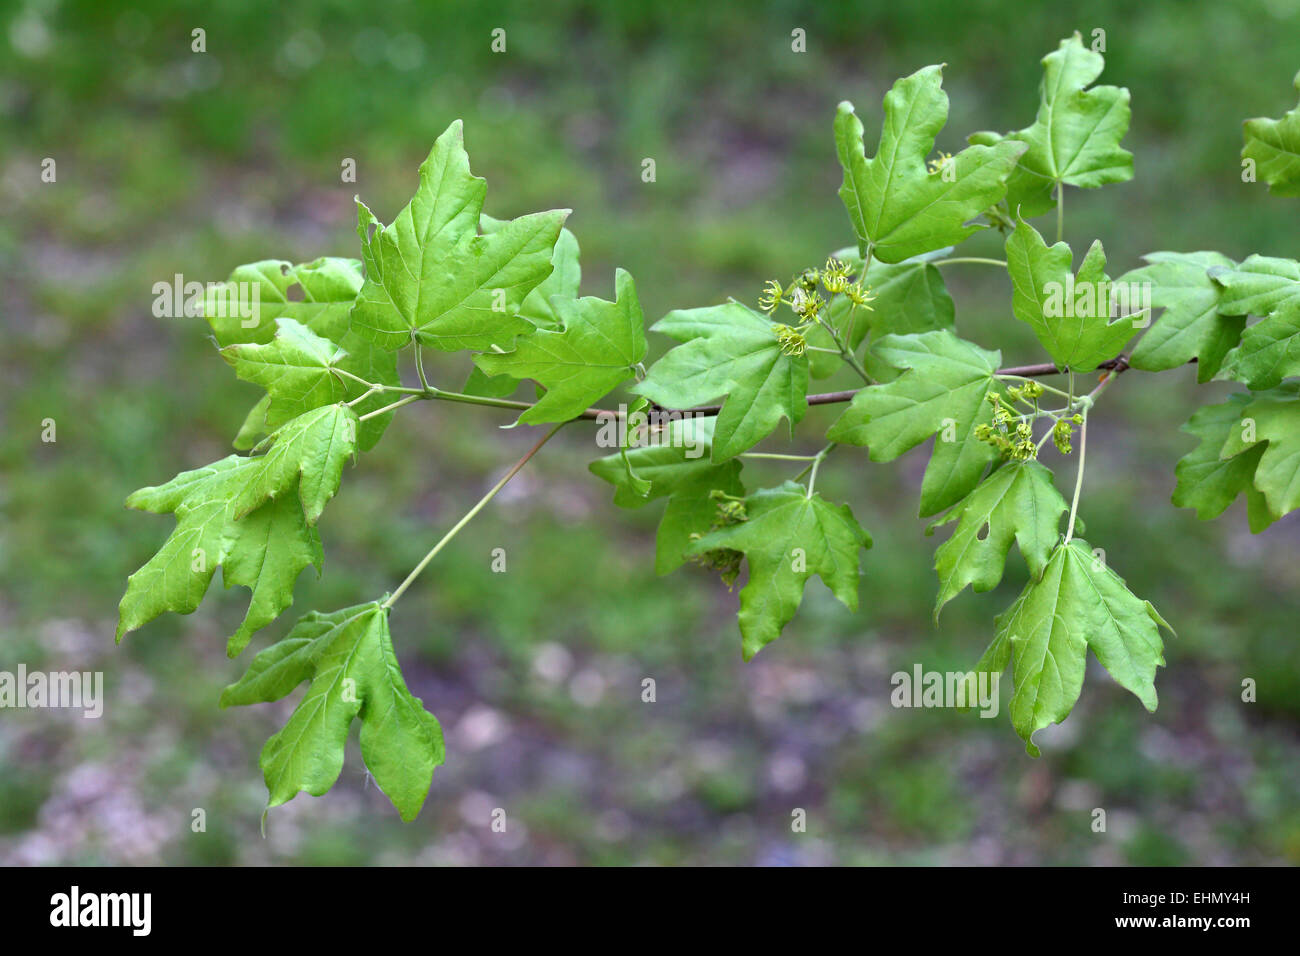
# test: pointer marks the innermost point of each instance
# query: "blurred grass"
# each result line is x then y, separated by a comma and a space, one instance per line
173, 162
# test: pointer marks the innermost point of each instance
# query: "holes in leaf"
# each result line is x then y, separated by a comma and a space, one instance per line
983, 532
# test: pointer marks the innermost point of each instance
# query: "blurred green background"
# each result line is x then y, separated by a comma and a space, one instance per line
174, 162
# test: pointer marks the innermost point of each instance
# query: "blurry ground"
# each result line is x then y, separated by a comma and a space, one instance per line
173, 162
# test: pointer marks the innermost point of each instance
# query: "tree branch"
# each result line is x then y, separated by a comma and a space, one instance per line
1118, 365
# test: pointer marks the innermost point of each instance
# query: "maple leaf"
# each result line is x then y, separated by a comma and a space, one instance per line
348, 657
327, 288
1018, 502
1269, 349
1208, 481
729, 350
1271, 417
318, 294
942, 391
1274, 145
1078, 603
1069, 315
788, 537
301, 370
431, 278
306, 454
254, 517
1192, 326
265, 551
564, 280
1075, 137
676, 466
898, 207
599, 347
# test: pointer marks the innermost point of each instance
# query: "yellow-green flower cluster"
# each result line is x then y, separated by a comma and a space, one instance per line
1011, 434
836, 277
790, 339
1062, 432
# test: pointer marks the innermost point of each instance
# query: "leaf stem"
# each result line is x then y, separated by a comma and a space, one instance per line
847, 353
811, 470
390, 407
1025, 372
375, 386
419, 366
1078, 481
975, 260
1060, 211
776, 457
469, 516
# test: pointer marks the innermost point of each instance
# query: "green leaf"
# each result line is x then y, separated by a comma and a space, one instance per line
1191, 327
318, 294
299, 370
1018, 502
1077, 604
1274, 145
788, 537
899, 208
431, 278
254, 428
730, 350
1075, 137
678, 465
565, 278
674, 460
1272, 417
348, 658
910, 297
327, 288
1259, 286
243, 515
941, 393
265, 551
308, 454
1207, 481
598, 349
1070, 316
1269, 349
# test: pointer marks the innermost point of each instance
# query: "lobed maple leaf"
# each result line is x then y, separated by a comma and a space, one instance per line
597, 348
1077, 604
787, 537
430, 276
729, 350
899, 208
942, 392
348, 658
